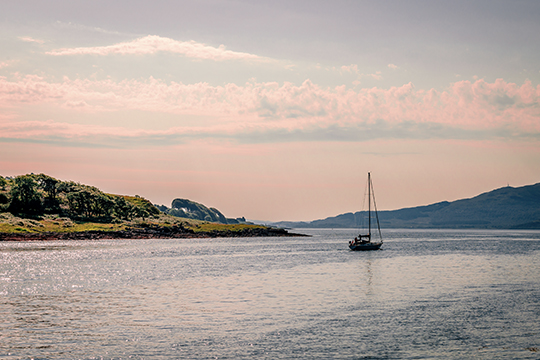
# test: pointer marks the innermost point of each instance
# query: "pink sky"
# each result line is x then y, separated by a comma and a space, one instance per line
264, 132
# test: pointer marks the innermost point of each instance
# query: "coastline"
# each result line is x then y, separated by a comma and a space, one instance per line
154, 232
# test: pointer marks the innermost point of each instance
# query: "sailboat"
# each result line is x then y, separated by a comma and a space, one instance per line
363, 242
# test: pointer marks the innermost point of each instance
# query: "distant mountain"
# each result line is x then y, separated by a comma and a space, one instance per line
504, 208
185, 208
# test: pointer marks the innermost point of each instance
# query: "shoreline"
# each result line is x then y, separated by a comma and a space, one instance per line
147, 233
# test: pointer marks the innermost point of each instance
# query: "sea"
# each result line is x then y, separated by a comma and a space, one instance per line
428, 294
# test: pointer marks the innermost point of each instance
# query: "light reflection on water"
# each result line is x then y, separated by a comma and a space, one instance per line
427, 295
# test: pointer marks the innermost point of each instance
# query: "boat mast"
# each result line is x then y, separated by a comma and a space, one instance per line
369, 205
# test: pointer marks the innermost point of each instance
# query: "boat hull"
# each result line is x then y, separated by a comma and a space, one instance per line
365, 247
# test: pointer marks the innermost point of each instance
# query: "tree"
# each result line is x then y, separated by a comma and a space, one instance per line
90, 202
142, 213
102, 204
49, 186
78, 202
68, 187
25, 198
3, 183
124, 209
4, 198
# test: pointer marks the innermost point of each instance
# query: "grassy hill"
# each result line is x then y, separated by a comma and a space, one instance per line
40, 207
34, 196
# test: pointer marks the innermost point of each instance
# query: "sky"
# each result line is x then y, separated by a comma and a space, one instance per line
273, 110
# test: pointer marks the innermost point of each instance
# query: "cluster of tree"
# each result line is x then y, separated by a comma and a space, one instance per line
35, 195
185, 208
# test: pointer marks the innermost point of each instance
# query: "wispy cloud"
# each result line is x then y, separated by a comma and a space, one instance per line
152, 44
5, 64
70, 26
353, 69
30, 39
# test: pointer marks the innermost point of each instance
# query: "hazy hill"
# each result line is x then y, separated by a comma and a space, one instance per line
504, 208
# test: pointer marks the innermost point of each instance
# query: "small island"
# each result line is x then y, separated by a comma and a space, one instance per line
40, 207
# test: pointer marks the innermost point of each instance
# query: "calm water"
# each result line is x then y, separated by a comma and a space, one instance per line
427, 295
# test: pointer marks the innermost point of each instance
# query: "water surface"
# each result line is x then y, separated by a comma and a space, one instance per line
428, 295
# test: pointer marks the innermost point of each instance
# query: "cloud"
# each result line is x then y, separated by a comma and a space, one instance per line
392, 66
29, 39
353, 69
87, 135
152, 44
5, 64
273, 112
69, 26
377, 75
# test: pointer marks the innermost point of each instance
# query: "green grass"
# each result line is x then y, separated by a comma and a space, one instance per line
11, 224
58, 225
208, 226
